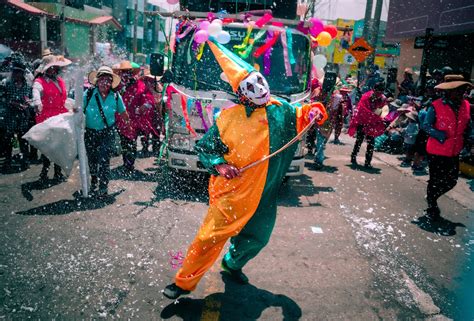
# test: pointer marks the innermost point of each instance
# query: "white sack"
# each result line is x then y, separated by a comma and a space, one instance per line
56, 138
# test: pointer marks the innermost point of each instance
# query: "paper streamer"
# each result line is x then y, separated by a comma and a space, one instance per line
285, 55
171, 90
267, 62
289, 41
200, 51
269, 44
263, 20
199, 111
245, 54
245, 42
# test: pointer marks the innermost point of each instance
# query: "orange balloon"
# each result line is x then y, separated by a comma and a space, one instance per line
324, 39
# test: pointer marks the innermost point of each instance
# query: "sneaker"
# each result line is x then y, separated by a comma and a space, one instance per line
173, 291
433, 214
318, 165
236, 275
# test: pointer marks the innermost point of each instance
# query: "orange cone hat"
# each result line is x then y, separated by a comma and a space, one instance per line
233, 66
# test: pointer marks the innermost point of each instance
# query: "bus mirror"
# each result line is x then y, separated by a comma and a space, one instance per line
157, 64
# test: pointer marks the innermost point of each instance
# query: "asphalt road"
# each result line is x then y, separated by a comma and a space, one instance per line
344, 248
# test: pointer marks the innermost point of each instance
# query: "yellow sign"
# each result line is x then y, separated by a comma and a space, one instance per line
360, 49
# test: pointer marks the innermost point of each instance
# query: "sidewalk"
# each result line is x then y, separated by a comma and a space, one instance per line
461, 193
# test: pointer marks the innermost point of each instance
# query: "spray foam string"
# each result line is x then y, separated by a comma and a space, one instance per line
176, 260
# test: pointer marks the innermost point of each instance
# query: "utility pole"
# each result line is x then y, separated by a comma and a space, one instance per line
375, 30
365, 33
425, 59
135, 27
62, 28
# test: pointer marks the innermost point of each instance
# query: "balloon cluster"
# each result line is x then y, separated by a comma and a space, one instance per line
213, 29
321, 34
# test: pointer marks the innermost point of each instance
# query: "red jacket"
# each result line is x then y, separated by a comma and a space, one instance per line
372, 124
53, 100
453, 125
135, 96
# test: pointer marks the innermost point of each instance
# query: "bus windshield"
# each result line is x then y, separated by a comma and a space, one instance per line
204, 74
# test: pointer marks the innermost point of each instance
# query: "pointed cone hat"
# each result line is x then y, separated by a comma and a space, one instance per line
235, 68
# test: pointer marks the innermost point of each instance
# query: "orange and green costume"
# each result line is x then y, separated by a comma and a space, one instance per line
244, 208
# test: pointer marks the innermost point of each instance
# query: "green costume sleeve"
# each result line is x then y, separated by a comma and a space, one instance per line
211, 150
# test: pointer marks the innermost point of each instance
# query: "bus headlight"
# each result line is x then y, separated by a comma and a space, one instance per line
180, 141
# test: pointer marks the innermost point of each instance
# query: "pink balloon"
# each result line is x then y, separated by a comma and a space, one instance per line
316, 26
172, 1
201, 36
203, 25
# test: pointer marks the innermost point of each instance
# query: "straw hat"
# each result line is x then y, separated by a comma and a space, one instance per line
104, 70
46, 52
397, 103
51, 60
453, 82
125, 65
405, 108
413, 115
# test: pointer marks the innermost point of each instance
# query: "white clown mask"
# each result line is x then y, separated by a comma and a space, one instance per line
255, 88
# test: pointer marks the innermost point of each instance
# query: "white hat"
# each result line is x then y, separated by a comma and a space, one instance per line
51, 60
104, 70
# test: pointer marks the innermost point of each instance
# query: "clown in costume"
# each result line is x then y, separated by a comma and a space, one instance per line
242, 204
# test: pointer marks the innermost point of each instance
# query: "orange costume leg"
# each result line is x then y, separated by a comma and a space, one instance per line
206, 247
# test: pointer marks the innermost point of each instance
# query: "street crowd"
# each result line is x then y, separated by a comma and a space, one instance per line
432, 128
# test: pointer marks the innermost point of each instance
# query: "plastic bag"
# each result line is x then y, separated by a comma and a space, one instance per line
56, 138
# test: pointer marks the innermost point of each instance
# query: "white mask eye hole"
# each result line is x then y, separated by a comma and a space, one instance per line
260, 80
250, 87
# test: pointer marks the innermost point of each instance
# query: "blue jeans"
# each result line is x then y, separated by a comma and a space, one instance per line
99, 144
319, 148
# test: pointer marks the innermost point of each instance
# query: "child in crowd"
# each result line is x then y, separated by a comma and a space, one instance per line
409, 138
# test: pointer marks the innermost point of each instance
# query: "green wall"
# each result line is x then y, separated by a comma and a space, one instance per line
77, 40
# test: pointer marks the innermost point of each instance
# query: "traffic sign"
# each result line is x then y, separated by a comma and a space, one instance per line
438, 43
360, 49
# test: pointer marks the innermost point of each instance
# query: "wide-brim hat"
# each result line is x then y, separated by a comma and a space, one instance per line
104, 70
46, 52
125, 65
453, 82
51, 60
405, 108
397, 103
413, 115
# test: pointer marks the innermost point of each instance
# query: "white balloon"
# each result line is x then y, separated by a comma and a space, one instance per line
223, 37
219, 21
320, 61
214, 29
